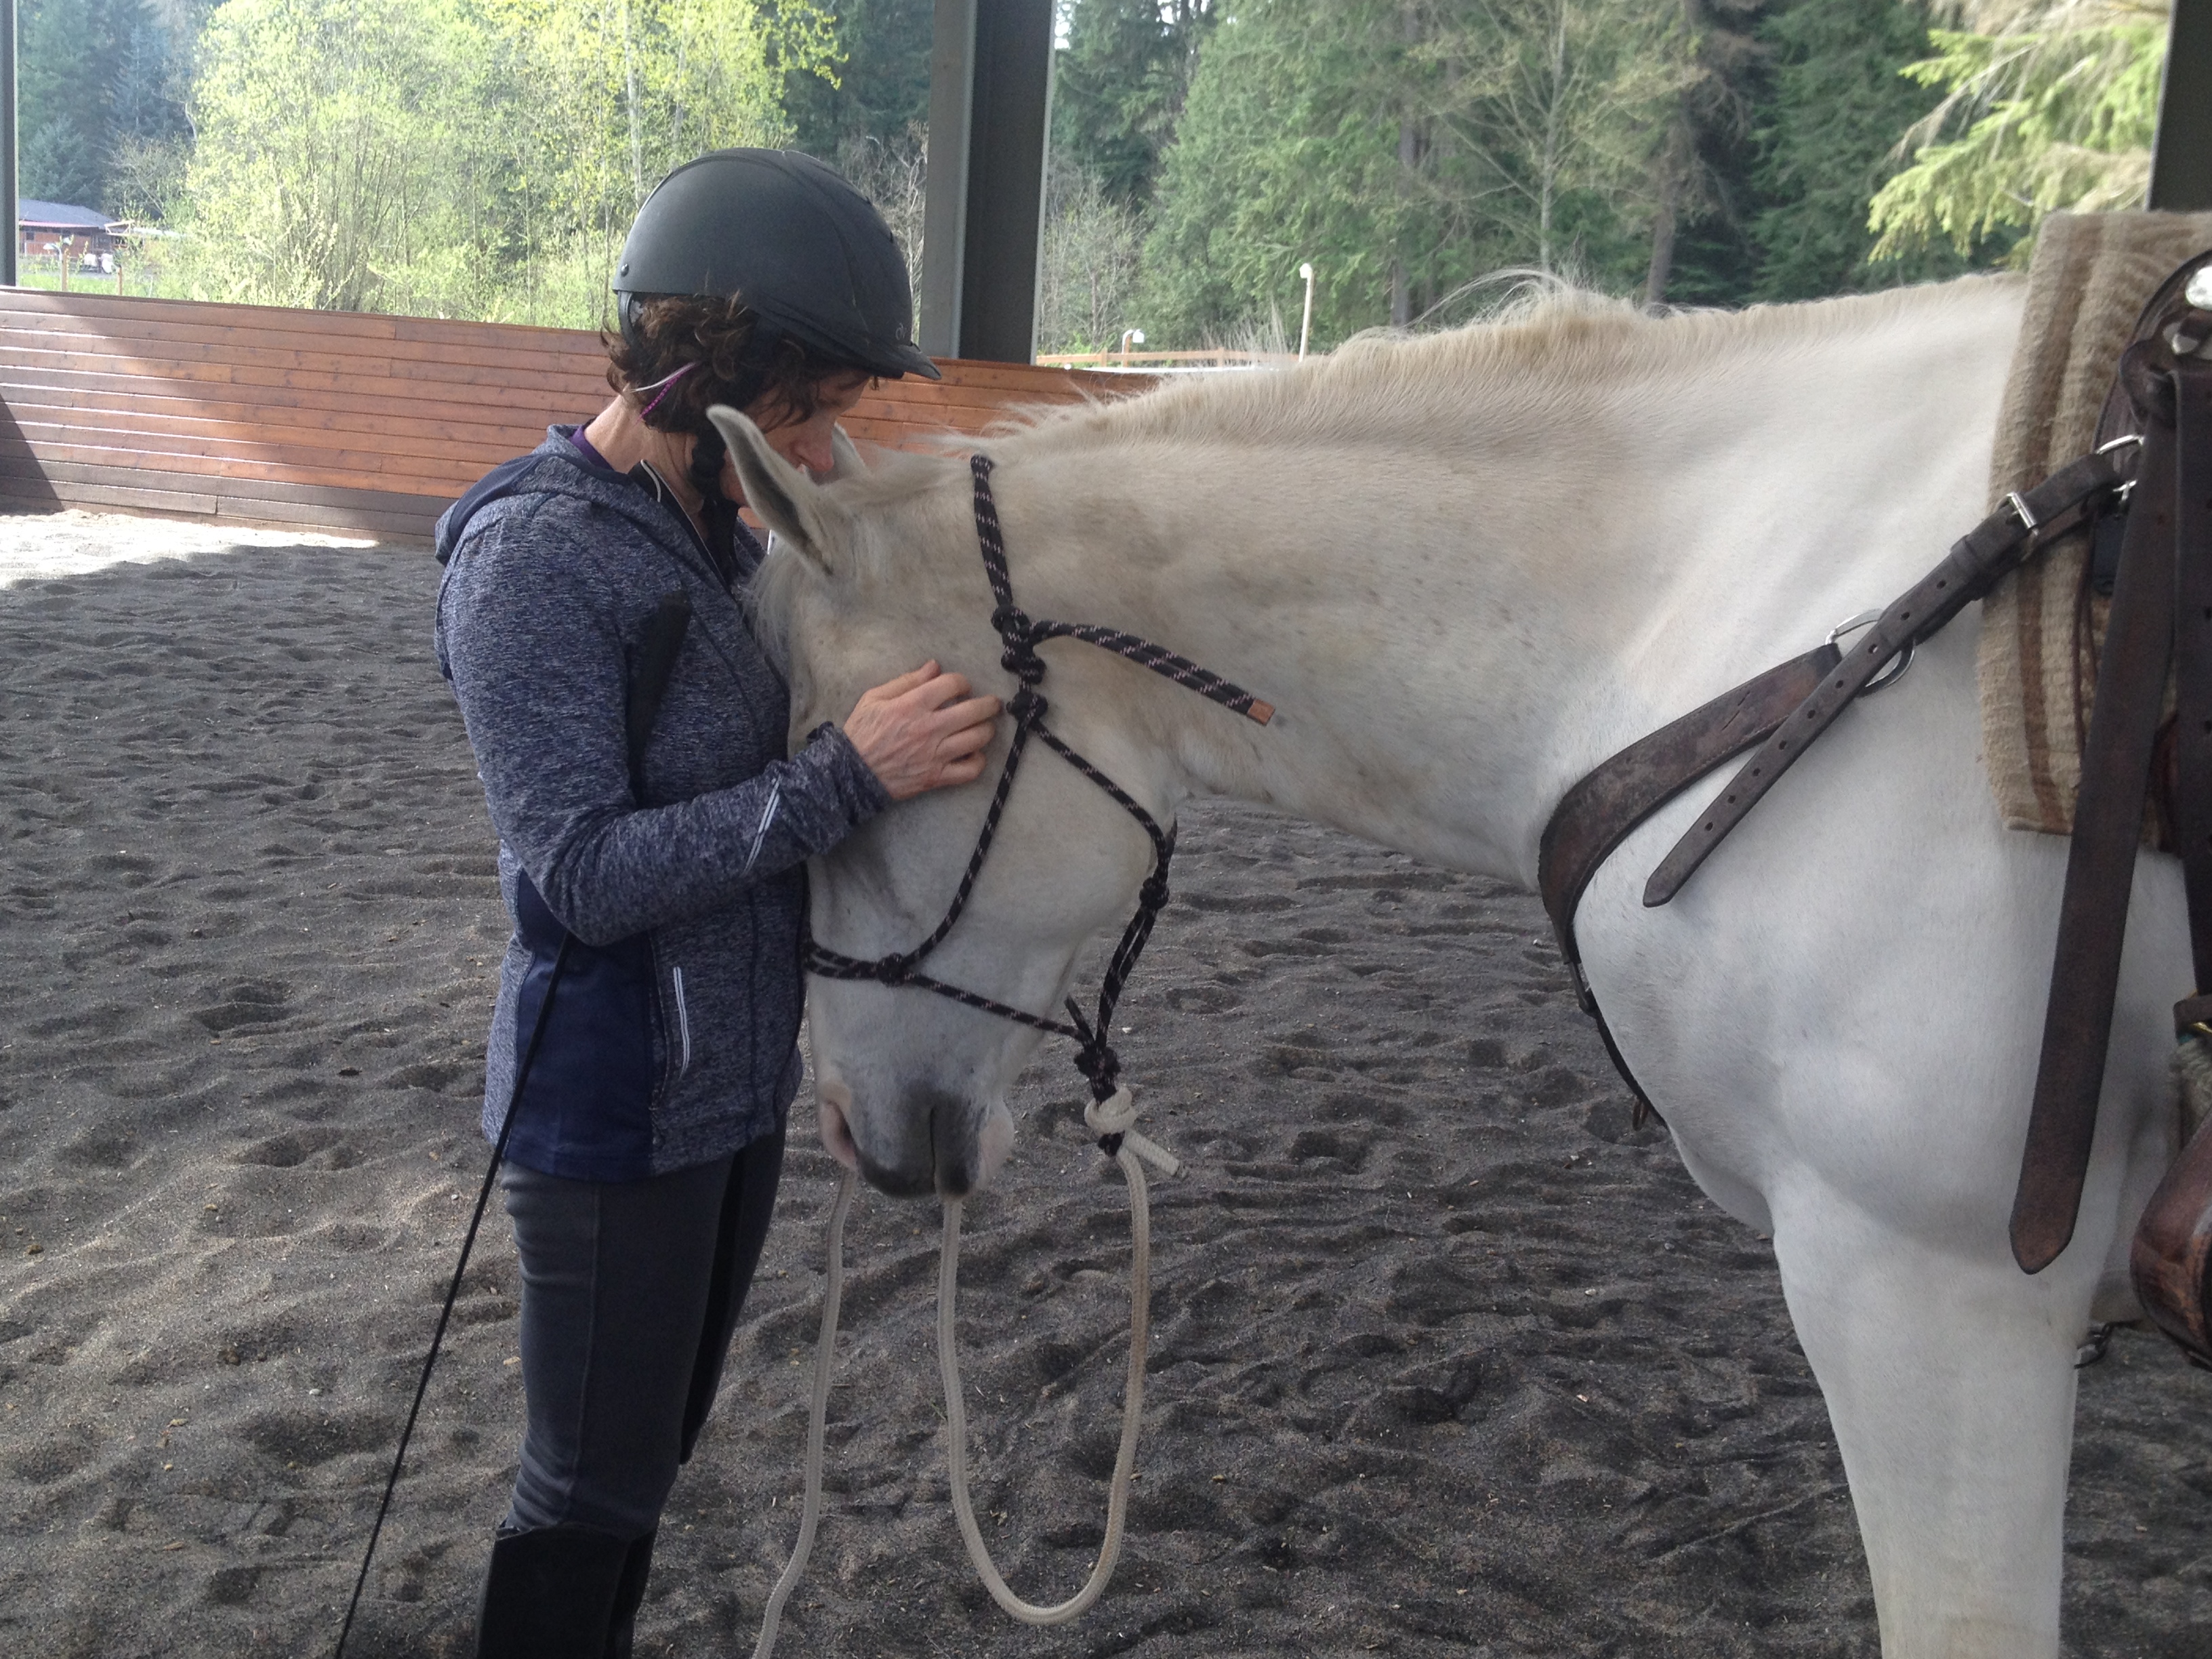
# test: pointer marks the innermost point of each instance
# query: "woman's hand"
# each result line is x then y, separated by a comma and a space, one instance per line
922, 730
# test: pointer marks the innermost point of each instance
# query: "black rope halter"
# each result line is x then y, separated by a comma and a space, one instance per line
1020, 636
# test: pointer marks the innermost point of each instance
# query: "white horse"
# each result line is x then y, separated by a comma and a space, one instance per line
1466, 568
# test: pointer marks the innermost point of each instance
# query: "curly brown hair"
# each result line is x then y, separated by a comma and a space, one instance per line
726, 357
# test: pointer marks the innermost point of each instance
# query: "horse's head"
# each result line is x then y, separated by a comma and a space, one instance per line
874, 575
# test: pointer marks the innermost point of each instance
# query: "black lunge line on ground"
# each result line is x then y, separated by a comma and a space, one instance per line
453, 1290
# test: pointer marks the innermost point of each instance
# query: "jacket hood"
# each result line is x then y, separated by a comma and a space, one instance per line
557, 468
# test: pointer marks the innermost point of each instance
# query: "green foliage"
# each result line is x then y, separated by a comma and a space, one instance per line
2056, 110
484, 157
1405, 149
455, 158
1274, 162
1119, 88
1703, 180
880, 87
99, 86
610, 94
1825, 143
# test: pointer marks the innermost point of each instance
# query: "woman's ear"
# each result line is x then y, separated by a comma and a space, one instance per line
806, 518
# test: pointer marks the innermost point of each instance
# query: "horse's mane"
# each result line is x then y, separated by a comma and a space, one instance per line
1560, 343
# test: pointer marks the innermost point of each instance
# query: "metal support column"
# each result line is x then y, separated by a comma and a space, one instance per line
944, 207
10, 206
2181, 155
990, 101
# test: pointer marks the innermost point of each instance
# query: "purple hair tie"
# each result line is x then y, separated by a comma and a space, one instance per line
667, 386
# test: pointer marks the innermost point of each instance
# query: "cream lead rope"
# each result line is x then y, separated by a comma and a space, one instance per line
1114, 1116
818, 1419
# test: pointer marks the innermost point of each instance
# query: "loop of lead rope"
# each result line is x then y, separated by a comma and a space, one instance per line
818, 1419
1103, 1116
1132, 1405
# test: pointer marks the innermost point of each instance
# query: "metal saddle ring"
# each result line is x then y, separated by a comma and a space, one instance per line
1890, 674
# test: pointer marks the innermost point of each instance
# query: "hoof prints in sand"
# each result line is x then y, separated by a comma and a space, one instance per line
1445, 1361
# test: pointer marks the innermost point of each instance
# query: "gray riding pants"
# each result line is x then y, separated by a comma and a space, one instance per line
631, 1291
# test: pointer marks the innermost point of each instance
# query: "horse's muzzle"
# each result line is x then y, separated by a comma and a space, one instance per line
934, 1141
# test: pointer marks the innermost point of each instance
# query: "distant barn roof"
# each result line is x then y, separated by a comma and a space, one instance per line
59, 215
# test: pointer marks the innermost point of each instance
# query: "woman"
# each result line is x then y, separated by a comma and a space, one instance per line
630, 736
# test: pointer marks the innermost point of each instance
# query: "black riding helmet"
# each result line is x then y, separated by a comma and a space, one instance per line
804, 250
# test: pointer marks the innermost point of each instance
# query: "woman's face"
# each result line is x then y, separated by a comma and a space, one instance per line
805, 442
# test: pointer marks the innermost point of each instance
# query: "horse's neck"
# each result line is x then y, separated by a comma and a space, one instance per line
1454, 631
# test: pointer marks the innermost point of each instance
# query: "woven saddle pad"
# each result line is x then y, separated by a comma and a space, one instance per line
2042, 626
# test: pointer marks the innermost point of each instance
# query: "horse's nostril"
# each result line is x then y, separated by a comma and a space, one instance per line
951, 1123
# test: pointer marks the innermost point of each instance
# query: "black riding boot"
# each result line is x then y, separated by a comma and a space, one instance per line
553, 1593
629, 1595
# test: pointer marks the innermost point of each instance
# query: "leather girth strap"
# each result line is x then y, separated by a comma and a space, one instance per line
2100, 865
2192, 655
1602, 810
2162, 614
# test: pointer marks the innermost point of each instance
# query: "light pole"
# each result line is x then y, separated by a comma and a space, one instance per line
1305, 323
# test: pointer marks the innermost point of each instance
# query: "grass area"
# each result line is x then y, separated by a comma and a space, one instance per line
136, 279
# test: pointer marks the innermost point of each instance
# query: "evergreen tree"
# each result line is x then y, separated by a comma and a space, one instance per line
1825, 140
1406, 148
1276, 161
1701, 245
97, 81
2048, 104
881, 91
1119, 88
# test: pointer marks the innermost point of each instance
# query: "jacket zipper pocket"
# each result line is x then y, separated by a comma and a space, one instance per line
682, 1022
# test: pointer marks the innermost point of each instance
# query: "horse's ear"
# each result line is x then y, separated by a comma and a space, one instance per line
806, 518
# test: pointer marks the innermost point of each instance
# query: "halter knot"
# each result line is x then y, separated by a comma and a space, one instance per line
892, 970
1114, 1117
1020, 658
1153, 895
1096, 1061
1094, 1056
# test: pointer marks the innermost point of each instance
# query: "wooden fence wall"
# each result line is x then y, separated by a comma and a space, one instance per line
341, 420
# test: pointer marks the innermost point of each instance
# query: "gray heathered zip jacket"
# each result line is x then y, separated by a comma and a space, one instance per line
673, 1035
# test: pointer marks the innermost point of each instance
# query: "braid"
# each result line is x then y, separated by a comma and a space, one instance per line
707, 458
718, 510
